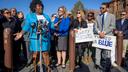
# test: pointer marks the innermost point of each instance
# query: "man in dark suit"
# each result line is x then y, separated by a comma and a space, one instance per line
122, 25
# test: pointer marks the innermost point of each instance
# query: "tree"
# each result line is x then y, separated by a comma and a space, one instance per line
78, 6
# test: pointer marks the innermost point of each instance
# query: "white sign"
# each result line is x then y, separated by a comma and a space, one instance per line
108, 42
84, 35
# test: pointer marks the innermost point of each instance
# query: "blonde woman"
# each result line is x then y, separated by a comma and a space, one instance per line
61, 25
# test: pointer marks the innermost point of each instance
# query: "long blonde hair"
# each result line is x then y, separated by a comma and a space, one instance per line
64, 9
82, 12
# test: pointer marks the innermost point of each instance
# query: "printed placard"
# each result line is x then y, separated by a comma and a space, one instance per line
84, 35
108, 42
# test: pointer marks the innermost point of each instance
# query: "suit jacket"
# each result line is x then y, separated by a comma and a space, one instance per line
122, 27
109, 24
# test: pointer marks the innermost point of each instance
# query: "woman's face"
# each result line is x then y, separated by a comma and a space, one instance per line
90, 16
7, 13
60, 12
20, 15
78, 14
39, 9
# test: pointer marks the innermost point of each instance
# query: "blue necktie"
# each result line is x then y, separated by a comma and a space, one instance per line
102, 21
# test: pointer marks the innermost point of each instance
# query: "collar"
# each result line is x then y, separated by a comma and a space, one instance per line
104, 13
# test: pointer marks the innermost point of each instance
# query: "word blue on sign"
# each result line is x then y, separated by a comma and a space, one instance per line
105, 42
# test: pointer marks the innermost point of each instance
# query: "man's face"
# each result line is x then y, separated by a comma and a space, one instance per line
13, 12
103, 9
39, 9
123, 15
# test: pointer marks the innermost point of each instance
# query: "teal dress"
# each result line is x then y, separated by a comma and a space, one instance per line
37, 43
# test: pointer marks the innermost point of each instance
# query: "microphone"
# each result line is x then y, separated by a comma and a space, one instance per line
33, 25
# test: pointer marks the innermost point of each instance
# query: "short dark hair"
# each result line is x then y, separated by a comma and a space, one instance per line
106, 4
14, 9
34, 3
54, 14
3, 10
20, 12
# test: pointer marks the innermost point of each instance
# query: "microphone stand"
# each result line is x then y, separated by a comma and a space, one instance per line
39, 28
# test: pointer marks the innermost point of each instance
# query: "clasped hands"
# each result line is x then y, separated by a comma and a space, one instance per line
102, 34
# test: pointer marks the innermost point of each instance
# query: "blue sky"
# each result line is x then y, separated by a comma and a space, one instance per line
50, 6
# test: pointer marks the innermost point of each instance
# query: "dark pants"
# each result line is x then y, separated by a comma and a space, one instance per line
79, 53
19, 52
53, 49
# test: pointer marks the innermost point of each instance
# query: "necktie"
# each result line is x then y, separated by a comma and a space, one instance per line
102, 22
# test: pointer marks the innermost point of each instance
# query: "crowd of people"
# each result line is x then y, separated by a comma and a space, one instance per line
37, 37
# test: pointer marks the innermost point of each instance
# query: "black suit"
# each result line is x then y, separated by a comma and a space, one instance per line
122, 27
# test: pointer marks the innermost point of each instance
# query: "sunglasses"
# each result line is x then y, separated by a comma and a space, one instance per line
122, 14
102, 8
60, 10
90, 16
7, 12
78, 12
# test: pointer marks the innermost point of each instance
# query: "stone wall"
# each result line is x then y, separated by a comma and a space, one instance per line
116, 6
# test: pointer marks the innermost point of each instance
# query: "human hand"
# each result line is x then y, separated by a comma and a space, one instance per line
76, 30
102, 34
18, 36
55, 25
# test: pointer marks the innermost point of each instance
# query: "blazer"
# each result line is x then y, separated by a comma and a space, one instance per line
63, 26
30, 21
109, 24
122, 27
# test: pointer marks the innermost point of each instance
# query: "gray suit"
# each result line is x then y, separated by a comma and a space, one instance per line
109, 25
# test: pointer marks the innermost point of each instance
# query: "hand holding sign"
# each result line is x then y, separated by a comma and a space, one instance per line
84, 35
102, 34
76, 30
